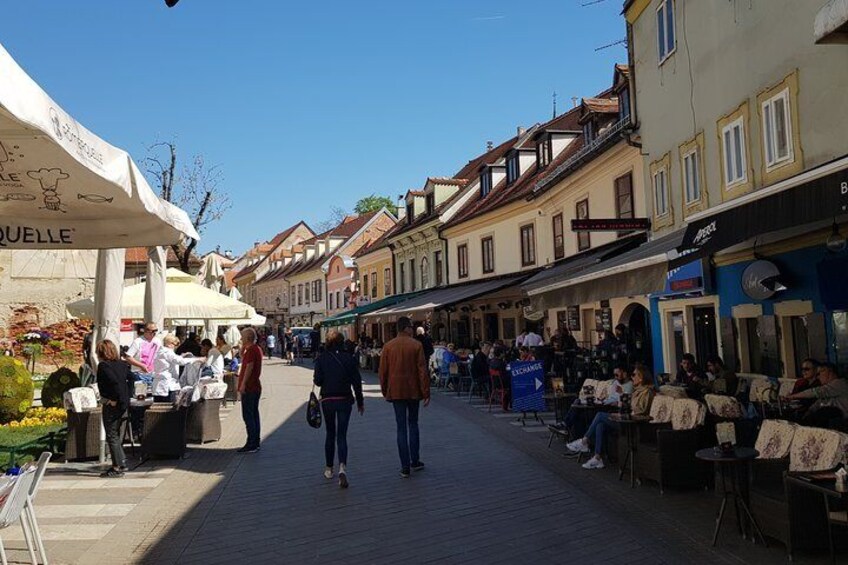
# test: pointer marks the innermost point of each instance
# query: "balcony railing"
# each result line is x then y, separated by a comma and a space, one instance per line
587, 151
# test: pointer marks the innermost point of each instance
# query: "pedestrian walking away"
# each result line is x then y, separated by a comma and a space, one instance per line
113, 378
337, 376
404, 383
271, 343
250, 388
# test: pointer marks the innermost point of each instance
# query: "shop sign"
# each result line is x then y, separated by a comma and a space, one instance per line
611, 224
603, 319
687, 278
528, 386
127, 325
572, 318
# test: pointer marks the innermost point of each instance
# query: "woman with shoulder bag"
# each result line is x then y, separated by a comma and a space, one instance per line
113, 376
337, 376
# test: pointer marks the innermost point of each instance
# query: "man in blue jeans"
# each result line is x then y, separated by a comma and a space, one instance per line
250, 388
405, 383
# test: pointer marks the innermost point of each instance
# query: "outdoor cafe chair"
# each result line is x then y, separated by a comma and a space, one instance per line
13, 507
443, 376
29, 510
497, 389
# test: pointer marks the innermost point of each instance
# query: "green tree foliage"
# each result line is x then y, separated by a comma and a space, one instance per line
372, 203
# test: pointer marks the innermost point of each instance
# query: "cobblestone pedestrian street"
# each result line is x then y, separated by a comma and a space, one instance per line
491, 493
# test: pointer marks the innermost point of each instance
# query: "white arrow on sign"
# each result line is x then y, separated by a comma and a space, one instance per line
539, 384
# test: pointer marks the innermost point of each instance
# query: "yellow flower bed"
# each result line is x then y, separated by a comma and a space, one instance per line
40, 417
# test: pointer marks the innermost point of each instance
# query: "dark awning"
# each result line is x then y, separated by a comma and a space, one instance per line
349, 317
636, 272
440, 298
818, 194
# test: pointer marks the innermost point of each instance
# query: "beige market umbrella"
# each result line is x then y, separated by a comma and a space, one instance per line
184, 300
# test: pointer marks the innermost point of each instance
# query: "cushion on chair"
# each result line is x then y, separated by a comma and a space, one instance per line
723, 406
687, 414
761, 390
80, 399
786, 386
213, 391
775, 439
588, 382
661, 409
816, 449
673, 391
602, 389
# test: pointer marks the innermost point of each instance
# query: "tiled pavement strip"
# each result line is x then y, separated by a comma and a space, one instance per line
491, 493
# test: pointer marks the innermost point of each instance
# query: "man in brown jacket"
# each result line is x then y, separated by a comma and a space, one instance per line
404, 382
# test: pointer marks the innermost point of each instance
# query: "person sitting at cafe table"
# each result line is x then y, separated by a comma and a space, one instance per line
621, 385
214, 365
480, 366
166, 377
692, 377
640, 405
525, 354
831, 398
809, 376
725, 381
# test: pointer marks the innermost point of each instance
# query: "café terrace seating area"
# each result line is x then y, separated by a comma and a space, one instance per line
782, 470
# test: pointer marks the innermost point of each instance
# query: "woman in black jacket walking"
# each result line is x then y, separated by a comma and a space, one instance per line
113, 377
337, 375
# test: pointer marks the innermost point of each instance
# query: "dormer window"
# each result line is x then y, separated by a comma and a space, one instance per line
485, 182
589, 132
431, 203
543, 152
512, 168
410, 212
624, 105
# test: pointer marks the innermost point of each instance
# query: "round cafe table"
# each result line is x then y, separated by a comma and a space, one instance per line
630, 425
729, 464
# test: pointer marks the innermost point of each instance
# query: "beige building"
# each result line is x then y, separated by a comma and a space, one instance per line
741, 115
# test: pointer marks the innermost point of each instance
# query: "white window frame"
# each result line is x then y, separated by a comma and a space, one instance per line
663, 173
692, 173
769, 131
662, 25
742, 151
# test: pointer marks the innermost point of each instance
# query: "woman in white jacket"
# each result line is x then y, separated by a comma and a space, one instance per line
166, 370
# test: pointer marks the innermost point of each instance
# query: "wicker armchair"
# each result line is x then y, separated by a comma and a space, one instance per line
669, 456
793, 516
83, 441
204, 421
164, 432
231, 379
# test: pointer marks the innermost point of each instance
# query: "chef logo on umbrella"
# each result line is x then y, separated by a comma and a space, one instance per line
49, 180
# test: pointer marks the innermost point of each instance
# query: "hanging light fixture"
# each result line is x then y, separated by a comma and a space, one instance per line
836, 241
171, 3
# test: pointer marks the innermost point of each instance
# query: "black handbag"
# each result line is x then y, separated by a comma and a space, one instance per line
313, 410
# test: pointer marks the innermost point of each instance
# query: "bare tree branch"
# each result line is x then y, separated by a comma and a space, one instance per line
197, 189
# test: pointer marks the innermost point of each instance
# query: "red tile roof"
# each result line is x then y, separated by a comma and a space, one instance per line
601, 105
470, 170
447, 180
136, 255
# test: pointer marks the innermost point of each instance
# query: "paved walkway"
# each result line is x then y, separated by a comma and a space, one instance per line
491, 493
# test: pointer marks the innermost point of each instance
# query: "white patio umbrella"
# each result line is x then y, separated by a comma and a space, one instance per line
210, 276
62, 187
184, 300
234, 293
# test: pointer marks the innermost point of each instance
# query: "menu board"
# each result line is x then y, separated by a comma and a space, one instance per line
572, 318
603, 319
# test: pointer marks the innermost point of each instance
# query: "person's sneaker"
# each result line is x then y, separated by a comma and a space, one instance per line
593, 463
418, 466
404, 473
328, 473
248, 449
112, 474
343, 480
578, 446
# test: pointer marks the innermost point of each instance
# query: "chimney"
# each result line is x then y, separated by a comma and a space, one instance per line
520, 130
401, 207
574, 100
256, 243
228, 253
490, 145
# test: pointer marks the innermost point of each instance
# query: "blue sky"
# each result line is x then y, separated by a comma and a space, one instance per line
306, 105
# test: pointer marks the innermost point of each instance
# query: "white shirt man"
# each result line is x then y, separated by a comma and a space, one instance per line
519, 341
532, 339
